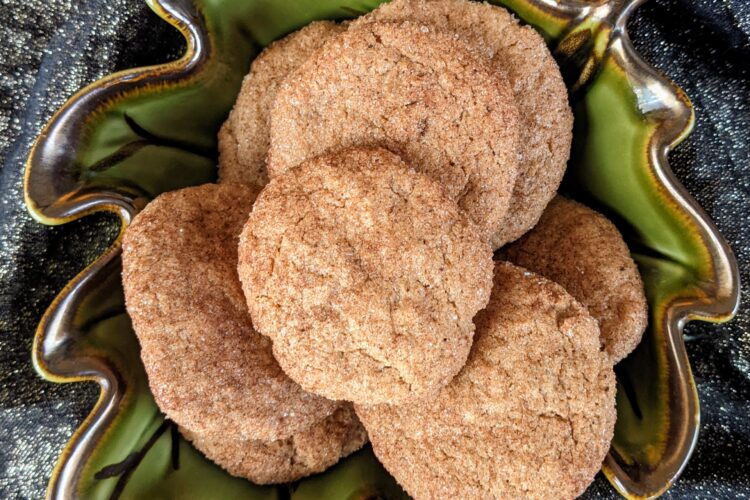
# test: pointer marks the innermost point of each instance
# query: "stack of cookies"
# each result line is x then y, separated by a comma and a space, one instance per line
339, 282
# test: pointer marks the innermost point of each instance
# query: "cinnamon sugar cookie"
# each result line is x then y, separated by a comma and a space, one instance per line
365, 275
531, 415
584, 252
520, 53
208, 370
304, 453
243, 139
421, 94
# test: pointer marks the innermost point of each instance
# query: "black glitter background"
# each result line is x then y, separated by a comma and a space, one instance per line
51, 48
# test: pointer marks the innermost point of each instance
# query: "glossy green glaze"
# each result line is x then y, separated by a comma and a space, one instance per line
131, 136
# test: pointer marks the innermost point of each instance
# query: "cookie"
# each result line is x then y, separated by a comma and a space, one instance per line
545, 119
531, 415
365, 275
208, 370
243, 139
281, 461
584, 252
421, 94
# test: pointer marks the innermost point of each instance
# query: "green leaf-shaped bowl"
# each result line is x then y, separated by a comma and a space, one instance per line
126, 138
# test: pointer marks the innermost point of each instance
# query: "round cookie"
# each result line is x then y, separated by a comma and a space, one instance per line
545, 119
584, 252
531, 415
421, 94
365, 275
208, 370
243, 139
281, 461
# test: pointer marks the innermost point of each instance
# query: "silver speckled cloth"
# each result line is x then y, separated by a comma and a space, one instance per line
49, 49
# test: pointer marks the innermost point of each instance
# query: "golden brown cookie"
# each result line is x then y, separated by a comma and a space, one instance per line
584, 252
531, 415
365, 275
269, 462
208, 370
545, 118
421, 94
243, 139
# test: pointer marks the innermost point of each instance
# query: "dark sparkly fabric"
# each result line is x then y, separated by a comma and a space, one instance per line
49, 49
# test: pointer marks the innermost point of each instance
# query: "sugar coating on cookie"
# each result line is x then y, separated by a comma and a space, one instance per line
421, 94
208, 370
304, 453
545, 118
531, 415
243, 139
365, 275
585, 253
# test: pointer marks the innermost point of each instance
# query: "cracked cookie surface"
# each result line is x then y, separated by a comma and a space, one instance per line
421, 94
545, 118
244, 137
304, 453
365, 275
208, 369
531, 415
584, 252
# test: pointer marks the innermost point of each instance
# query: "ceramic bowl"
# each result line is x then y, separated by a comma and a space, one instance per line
124, 139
